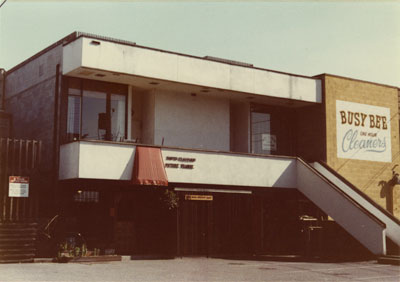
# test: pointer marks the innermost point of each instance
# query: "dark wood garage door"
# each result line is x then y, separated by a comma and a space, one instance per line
195, 227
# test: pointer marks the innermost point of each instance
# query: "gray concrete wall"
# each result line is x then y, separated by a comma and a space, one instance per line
240, 127
29, 97
30, 93
136, 115
148, 116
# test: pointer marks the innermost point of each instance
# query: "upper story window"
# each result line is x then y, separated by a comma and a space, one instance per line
262, 141
272, 130
96, 110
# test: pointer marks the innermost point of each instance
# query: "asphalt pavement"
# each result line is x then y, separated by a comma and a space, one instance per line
200, 269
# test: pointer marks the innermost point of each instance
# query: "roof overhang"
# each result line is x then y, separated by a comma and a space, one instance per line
136, 65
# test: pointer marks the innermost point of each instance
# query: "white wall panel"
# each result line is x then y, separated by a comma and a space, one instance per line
115, 162
96, 160
229, 169
199, 122
242, 79
72, 56
131, 60
106, 161
69, 161
203, 72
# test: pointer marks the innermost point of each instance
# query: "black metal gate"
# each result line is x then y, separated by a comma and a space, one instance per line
19, 158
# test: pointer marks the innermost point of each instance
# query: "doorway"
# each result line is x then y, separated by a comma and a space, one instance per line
195, 226
214, 224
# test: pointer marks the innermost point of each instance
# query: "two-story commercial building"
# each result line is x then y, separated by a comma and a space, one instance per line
153, 152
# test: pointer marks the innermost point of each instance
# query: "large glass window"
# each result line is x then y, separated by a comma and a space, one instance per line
96, 110
272, 130
94, 116
74, 113
262, 142
117, 116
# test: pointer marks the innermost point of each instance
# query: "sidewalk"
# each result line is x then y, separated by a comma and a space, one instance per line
200, 269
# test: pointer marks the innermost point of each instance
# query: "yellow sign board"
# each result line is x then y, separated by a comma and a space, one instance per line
198, 197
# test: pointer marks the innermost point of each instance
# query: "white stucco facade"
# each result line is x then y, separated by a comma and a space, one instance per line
230, 169
96, 160
198, 122
88, 55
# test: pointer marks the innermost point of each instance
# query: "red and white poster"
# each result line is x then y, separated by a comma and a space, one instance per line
18, 186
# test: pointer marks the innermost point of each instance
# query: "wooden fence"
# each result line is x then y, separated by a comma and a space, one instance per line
19, 158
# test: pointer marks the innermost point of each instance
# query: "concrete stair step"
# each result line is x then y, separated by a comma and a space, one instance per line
16, 245
17, 256
16, 260
5, 235
17, 241
390, 259
28, 249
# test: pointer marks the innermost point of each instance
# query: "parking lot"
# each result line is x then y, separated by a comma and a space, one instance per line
200, 269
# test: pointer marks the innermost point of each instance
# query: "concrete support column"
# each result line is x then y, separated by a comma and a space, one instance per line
129, 114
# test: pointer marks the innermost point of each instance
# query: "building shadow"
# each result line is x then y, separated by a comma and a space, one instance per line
387, 192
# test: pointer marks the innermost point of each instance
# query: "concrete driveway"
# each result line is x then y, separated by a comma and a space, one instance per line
200, 269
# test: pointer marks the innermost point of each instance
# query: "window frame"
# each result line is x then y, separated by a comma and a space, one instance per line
261, 111
108, 88
280, 116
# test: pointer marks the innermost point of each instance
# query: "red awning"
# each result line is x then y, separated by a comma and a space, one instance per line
148, 168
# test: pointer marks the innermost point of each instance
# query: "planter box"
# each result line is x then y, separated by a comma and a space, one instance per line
97, 258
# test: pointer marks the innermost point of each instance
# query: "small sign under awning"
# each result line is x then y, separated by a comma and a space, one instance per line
148, 167
198, 197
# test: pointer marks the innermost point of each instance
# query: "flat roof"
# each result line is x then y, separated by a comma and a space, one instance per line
77, 34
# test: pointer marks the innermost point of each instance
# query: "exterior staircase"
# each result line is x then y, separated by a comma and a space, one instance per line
370, 224
17, 242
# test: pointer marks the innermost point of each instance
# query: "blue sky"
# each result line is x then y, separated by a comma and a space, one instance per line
355, 39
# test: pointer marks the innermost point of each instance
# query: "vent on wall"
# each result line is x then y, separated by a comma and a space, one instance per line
94, 42
40, 70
